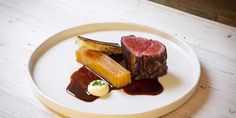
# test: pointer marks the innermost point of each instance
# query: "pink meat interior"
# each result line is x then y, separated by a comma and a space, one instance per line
141, 46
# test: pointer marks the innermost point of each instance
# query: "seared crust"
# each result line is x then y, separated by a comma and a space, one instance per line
151, 66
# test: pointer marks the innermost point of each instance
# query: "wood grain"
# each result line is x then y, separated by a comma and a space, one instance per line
24, 24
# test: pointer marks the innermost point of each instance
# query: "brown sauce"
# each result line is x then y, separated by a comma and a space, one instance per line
147, 86
79, 82
81, 78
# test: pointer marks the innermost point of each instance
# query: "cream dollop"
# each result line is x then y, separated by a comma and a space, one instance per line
98, 88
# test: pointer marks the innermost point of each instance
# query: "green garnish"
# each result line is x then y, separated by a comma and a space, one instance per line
97, 83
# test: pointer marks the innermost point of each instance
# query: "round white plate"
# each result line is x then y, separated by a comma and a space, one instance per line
53, 62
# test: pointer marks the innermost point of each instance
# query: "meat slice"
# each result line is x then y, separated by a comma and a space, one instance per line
144, 58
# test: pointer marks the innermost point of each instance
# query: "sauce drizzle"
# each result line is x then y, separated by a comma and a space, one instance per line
81, 78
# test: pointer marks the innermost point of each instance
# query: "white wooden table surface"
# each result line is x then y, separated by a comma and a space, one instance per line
24, 24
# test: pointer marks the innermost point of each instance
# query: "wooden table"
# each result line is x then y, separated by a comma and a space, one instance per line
24, 24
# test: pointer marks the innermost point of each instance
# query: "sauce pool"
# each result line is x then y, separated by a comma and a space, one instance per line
148, 86
79, 82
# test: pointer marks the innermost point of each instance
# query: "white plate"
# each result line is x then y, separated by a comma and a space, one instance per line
53, 62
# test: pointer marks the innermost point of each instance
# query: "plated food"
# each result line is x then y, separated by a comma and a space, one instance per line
103, 70
53, 62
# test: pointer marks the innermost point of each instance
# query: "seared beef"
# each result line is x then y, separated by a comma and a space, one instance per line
144, 58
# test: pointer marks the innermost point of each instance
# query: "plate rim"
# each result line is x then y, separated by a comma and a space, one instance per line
106, 26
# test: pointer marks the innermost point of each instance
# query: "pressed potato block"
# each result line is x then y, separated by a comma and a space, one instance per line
104, 66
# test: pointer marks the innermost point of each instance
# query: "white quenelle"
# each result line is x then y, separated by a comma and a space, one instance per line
98, 88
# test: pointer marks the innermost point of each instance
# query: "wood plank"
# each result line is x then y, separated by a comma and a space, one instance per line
25, 24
